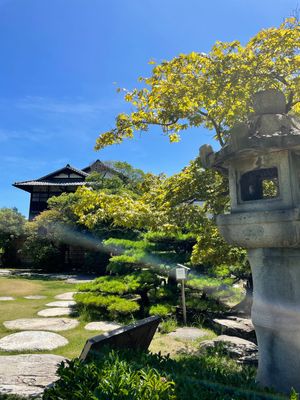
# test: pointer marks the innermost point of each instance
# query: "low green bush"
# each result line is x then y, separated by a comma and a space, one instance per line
134, 375
110, 378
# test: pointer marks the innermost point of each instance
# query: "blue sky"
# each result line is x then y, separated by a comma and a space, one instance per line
62, 60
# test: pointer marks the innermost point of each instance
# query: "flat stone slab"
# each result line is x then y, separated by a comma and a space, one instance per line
101, 326
42, 324
188, 333
68, 303
6, 298
32, 340
78, 280
65, 296
55, 312
35, 297
5, 272
28, 374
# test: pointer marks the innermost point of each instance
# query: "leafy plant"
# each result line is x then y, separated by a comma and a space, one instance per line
128, 375
168, 325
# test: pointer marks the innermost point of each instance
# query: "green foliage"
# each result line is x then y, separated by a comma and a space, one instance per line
161, 310
12, 230
212, 250
125, 263
213, 89
4, 396
127, 375
42, 244
110, 284
168, 325
111, 377
106, 305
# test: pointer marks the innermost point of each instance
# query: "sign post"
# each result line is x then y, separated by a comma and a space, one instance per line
181, 275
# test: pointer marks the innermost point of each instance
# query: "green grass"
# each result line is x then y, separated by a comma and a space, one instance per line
24, 308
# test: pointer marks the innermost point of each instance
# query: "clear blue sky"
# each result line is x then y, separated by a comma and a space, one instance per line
62, 60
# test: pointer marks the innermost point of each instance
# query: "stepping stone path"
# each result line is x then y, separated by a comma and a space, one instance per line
28, 374
65, 296
5, 272
32, 340
6, 298
101, 326
68, 303
42, 324
188, 333
55, 312
36, 297
78, 280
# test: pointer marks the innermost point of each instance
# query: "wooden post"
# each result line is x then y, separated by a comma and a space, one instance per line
183, 301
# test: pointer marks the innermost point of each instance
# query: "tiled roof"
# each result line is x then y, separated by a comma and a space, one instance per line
68, 166
57, 182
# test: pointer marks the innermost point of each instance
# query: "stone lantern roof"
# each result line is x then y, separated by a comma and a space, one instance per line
268, 129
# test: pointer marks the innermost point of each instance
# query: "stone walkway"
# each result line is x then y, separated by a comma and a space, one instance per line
42, 324
32, 340
101, 326
28, 374
66, 303
55, 312
65, 296
188, 333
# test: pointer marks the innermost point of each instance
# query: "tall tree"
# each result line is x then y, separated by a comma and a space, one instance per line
213, 90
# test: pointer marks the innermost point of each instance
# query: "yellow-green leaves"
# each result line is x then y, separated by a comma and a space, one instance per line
215, 89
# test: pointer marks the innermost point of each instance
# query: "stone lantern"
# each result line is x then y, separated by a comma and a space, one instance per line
262, 160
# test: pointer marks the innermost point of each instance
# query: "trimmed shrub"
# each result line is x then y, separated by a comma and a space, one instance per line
161, 310
111, 306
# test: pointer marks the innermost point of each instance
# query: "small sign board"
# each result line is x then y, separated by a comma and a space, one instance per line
181, 274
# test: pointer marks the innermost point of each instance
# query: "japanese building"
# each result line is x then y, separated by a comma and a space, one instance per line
63, 180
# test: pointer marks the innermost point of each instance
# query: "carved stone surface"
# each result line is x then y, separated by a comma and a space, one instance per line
32, 340
269, 101
264, 153
28, 374
6, 298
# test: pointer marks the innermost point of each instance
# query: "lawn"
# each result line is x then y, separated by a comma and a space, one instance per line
24, 308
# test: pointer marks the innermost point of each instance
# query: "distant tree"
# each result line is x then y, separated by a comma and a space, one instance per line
12, 229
